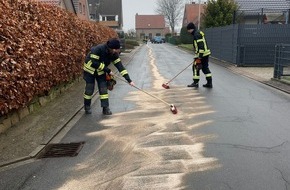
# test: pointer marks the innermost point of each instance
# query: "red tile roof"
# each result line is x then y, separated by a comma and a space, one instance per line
149, 21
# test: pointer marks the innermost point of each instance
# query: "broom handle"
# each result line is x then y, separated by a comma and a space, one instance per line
179, 72
143, 91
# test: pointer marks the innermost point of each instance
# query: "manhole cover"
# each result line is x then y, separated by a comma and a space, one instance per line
61, 150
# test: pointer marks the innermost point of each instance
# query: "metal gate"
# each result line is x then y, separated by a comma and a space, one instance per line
282, 61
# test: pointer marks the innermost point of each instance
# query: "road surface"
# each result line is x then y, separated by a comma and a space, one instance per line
234, 136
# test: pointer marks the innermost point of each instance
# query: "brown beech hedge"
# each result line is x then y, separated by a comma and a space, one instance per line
41, 46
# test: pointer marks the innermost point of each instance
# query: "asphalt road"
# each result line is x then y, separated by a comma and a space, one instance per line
234, 136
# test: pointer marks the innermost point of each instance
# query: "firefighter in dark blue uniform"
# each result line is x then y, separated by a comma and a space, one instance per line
96, 68
202, 53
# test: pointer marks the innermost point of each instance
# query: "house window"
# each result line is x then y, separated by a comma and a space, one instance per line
80, 7
92, 16
84, 9
142, 35
110, 18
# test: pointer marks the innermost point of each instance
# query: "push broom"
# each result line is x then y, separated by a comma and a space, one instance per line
166, 86
172, 106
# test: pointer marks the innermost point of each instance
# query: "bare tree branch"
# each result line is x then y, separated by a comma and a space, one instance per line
172, 11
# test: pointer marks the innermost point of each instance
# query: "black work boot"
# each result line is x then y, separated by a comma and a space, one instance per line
193, 85
207, 85
107, 111
88, 109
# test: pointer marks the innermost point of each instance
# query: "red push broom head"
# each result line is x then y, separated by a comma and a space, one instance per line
173, 109
165, 85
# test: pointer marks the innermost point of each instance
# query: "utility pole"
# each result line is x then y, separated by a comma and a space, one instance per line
198, 24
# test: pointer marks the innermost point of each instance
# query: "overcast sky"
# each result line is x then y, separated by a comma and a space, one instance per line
131, 7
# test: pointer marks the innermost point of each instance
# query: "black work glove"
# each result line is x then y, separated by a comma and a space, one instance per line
107, 70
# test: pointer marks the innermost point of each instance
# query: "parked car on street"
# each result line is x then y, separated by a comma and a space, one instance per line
157, 40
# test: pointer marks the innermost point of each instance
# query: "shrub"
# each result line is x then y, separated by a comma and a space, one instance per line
41, 47
185, 37
131, 42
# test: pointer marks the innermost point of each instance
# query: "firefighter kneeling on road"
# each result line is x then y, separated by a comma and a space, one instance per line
96, 68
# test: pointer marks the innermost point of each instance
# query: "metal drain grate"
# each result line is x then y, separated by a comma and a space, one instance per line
61, 150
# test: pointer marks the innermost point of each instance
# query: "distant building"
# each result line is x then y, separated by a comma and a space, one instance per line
148, 26
192, 13
107, 12
82, 9
78, 7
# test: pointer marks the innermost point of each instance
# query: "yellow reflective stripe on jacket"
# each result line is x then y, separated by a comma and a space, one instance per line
195, 48
104, 96
94, 56
124, 72
87, 97
200, 40
204, 51
101, 67
117, 61
100, 72
88, 67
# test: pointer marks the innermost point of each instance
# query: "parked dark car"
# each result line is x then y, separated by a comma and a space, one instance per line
121, 36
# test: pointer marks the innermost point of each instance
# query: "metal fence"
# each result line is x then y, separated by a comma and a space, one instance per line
282, 61
247, 44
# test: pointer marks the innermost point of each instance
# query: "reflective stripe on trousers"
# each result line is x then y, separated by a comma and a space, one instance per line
102, 87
